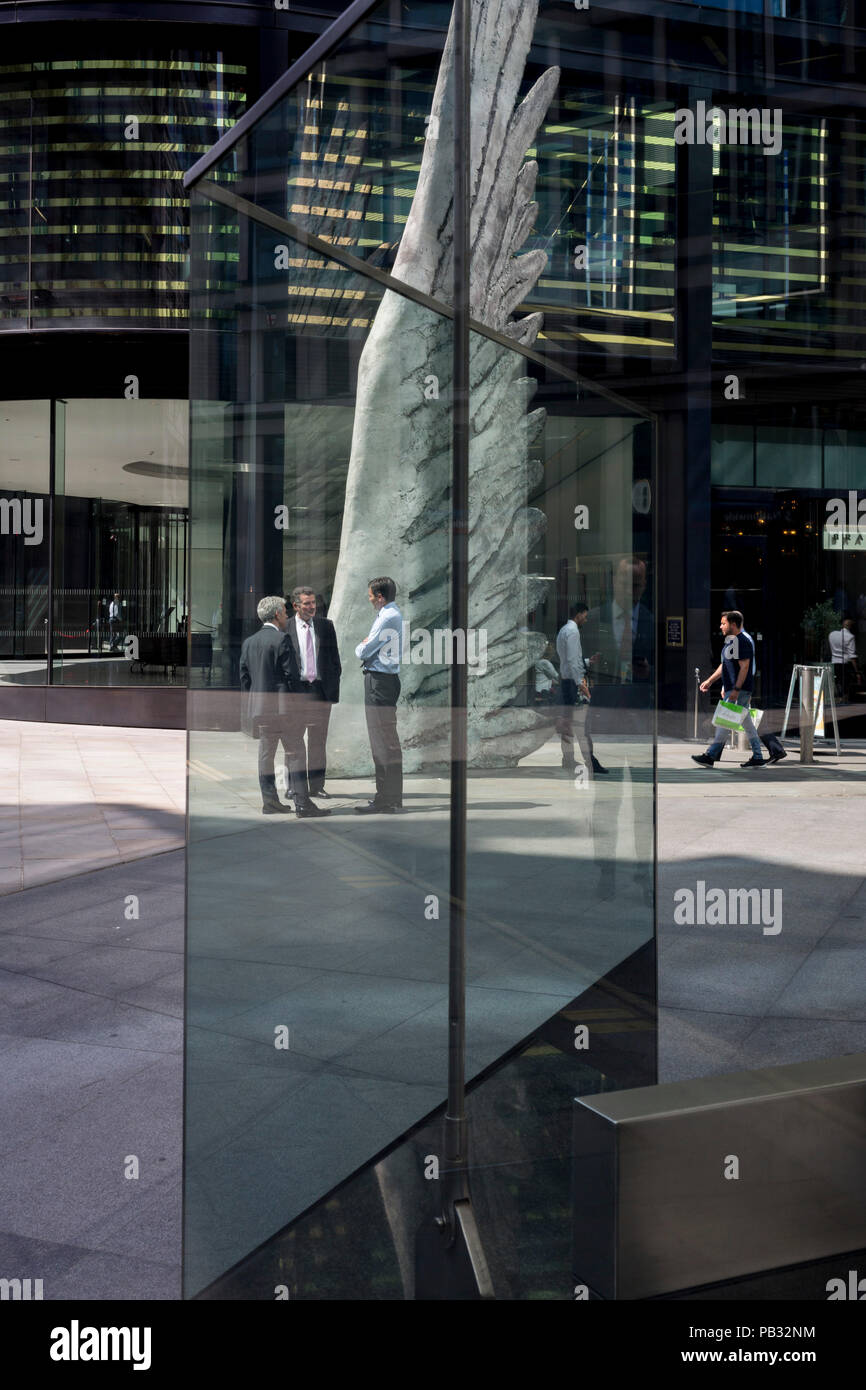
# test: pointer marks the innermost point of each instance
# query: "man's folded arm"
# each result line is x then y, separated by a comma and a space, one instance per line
373, 643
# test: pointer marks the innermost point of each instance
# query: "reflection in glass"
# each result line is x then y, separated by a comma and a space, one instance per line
25, 447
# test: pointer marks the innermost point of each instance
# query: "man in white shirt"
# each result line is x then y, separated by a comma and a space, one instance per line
574, 690
843, 655
380, 654
546, 677
115, 616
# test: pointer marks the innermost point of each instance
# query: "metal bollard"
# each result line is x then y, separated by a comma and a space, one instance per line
807, 715
697, 693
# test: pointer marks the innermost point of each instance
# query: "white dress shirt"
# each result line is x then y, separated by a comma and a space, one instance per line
572, 666
301, 626
843, 646
545, 675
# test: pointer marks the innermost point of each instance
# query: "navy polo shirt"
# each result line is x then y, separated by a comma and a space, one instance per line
738, 647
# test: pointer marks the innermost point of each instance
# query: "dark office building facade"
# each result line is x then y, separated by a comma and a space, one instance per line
716, 284
103, 107
264, 322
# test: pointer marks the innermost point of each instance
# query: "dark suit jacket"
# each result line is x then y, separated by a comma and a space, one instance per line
327, 657
269, 671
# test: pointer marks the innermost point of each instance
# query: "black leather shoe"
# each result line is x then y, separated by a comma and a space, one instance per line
307, 810
703, 760
777, 757
377, 808
329, 796
597, 767
278, 809
754, 762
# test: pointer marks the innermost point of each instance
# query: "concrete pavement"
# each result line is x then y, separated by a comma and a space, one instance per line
91, 999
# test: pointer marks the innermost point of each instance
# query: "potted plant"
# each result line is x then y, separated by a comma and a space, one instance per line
818, 622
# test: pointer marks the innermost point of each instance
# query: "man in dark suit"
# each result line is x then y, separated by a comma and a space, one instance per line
314, 647
269, 673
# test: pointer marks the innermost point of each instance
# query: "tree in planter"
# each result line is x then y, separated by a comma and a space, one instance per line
818, 622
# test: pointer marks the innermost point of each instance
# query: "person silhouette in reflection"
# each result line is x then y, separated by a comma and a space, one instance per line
574, 695
314, 643
620, 636
380, 654
269, 674
115, 621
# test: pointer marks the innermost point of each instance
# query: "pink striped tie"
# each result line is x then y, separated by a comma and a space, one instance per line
311, 654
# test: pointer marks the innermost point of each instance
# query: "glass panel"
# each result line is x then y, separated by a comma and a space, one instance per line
340, 154
15, 144
96, 145
787, 457
316, 951
605, 191
360, 127
844, 459
321, 440
120, 583
24, 503
733, 460
560, 515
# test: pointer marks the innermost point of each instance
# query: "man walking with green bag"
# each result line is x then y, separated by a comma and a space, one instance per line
737, 672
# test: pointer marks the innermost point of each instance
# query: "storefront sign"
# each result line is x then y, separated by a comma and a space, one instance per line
674, 628
845, 538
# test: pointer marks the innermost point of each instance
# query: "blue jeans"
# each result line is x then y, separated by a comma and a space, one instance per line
742, 697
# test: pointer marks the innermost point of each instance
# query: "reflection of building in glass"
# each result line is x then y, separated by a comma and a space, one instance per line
99, 118
96, 240
664, 420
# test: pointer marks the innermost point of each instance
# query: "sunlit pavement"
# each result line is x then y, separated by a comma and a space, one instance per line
91, 999
746, 996
79, 797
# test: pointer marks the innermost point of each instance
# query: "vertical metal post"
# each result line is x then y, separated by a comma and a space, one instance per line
795, 676
455, 1118
697, 691
827, 682
52, 483
459, 1267
807, 721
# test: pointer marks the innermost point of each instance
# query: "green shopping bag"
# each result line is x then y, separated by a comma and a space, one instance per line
729, 716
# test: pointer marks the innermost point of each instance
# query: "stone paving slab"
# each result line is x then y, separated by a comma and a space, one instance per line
74, 798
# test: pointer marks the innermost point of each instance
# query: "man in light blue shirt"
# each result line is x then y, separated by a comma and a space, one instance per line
380, 654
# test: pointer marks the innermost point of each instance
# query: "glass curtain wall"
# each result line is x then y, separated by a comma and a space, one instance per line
25, 485
321, 459
113, 474
95, 140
